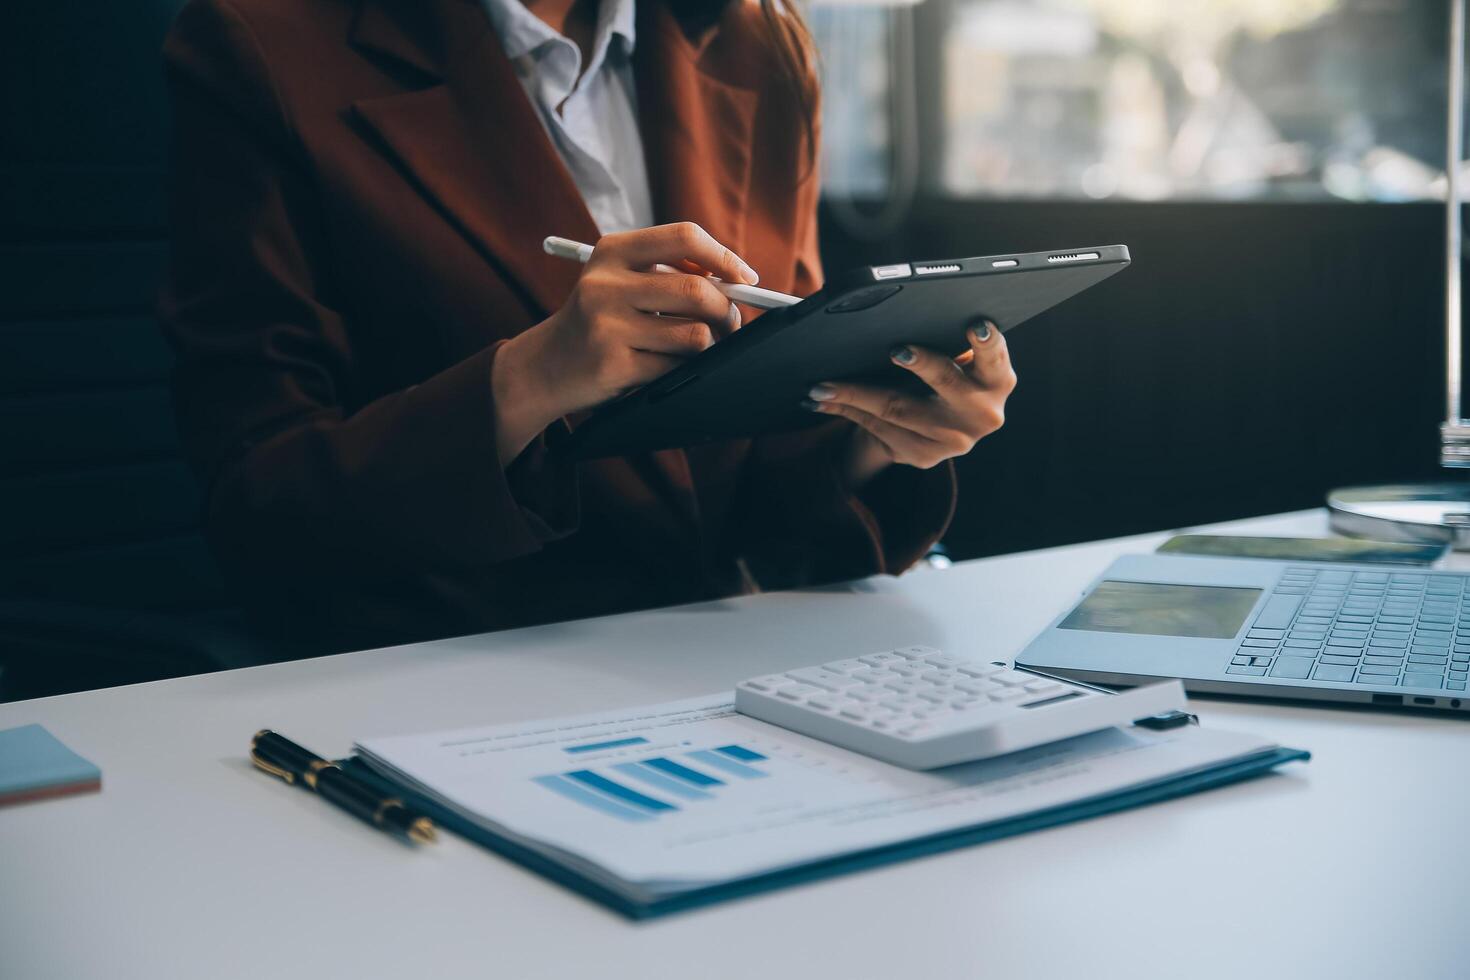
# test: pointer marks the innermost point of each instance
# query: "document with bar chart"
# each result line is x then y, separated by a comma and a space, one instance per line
653, 800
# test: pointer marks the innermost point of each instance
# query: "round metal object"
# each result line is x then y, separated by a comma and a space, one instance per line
1420, 513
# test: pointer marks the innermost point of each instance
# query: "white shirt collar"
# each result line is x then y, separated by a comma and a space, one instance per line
522, 32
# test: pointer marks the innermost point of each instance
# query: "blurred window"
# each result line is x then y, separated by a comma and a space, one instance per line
1155, 99
856, 46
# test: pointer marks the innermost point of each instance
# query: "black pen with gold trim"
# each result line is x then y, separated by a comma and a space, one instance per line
282, 757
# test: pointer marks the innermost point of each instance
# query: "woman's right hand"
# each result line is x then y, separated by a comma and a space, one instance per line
607, 338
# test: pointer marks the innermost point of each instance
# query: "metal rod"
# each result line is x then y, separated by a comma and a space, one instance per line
1454, 154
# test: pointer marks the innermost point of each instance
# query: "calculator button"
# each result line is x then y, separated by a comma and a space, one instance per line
798, 692
852, 666
882, 659
979, 670
1332, 672
820, 677
766, 684
1008, 694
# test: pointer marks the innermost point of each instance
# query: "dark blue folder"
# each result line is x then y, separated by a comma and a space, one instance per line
1164, 789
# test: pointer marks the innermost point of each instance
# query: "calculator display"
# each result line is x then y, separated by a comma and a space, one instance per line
1210, 611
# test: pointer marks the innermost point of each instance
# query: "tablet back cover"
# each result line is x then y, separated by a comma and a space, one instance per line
753, 382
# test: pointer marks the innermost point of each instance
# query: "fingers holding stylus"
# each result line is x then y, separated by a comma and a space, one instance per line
622, 265
676, 244
692, 297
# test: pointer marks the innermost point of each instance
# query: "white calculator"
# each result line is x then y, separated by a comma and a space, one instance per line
920, 709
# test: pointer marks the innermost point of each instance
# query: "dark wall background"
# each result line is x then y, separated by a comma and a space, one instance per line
1253, 356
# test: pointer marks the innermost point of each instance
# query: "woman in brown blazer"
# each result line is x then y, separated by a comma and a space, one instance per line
376, 360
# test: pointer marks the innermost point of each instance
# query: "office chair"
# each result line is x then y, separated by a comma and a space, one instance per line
104, 577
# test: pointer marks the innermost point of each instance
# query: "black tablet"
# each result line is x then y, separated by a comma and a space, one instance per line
753, 381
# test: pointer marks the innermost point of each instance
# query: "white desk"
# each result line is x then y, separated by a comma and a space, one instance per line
191, 865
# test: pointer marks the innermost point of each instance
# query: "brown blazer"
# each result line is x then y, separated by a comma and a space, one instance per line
360, 193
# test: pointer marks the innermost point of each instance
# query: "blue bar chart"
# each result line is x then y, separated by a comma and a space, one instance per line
616, 743
645, 789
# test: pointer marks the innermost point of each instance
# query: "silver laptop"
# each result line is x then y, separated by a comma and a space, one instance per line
1319, 631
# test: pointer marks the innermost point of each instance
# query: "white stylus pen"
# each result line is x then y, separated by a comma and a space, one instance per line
761, 299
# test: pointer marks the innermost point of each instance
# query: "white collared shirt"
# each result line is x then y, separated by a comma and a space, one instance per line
596, 131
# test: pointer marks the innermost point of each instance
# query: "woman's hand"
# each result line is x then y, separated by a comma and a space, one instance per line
967, 405
609, 337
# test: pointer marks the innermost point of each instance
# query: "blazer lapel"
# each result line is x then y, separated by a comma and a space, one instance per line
698, 129
453, 138
697, 132
472, 142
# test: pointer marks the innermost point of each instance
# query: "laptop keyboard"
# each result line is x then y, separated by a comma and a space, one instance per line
1384, 629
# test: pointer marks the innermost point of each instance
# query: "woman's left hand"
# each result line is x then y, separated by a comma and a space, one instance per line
923, 431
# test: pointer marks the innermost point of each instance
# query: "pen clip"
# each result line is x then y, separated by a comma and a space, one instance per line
274, 770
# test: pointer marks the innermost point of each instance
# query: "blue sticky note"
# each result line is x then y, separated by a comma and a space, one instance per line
34, 765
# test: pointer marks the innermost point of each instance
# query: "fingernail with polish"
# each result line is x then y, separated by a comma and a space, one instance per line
903, 355
810, 405
822, 393
982, 331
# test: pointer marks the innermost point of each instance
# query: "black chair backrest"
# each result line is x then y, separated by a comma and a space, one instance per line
96, 507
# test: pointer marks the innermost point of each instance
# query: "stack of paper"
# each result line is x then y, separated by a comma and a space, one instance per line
653, 802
